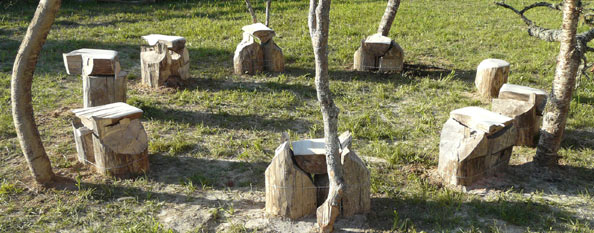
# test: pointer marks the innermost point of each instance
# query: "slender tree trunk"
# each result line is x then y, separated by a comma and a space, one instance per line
388, 18
22, 77
268, 12
319, 21
557, 108
251, 10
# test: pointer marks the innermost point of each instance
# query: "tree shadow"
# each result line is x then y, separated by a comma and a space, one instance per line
211, 84
578, 139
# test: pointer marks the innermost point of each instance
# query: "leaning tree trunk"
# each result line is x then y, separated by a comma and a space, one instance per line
319, 21
388, 18
22, 78
555, 116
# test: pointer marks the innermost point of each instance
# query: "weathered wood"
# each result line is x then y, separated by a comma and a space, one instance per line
377, 44
517, 92
469, 152
249, 56
363, 60
322, 183
260, 31
393, 60
526, 120
98, 118
92, 61
274, 61
164, 60
357, 194
101, 90
309, 153
491, 74
175, 43
83, 137
379, 53
290, 192
481, 119
122, 150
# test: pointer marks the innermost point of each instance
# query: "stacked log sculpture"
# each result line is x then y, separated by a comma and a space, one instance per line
103, 81
165, 60
491, 74
252, 57
290, 190
526, 106
379, 53
475, 143
112, 138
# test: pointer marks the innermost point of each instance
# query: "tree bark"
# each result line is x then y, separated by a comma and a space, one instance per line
319, 21
22, 78
388, 18
268, 2
568, 61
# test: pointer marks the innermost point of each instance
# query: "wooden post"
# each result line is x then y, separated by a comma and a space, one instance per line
475, 143
104, 89
165, 60
491, 74
120, 143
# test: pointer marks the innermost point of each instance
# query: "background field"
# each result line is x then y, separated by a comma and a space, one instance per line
211, 142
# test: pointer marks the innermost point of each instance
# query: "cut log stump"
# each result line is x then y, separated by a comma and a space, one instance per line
92, 62
491, 74
356, 198
252, 57
104, 89
379, 53
83, 137
165, 60
120, 143
290, 192
526, 120
475, 143
517, 92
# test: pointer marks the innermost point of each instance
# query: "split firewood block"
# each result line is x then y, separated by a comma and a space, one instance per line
274, 61
260, 31
92, 62
83, 137
523, 93
526, 120
474, 143
491, 74
290, 191
164, 60
356, 198
120, 142
379, 53
249, 56
103, 89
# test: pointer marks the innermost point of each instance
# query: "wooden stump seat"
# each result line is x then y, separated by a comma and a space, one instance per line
379, 53
474, 143
119, 141
252, 57
491, 74
165, 60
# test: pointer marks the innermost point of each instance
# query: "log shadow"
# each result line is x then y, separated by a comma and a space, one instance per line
436, 72
215, 85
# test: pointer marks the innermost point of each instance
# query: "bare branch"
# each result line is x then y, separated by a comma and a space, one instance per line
268, 12
533, 29
558, 6
249, 6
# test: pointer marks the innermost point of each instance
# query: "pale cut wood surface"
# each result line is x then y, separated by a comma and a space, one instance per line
73, 61
526, 120
101, 90
310, 155
377, 44
481, 119
356, 198
155, 62
517, 92
393, 60
363, 60
83, 138
290, 192
259, 30
95, 118
173, 42
491, 74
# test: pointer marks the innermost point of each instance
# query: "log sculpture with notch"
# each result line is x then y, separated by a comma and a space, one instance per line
252, 57
103, 80
165, 60
378, 52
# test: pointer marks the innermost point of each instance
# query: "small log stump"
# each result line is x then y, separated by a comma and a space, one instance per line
491, 74
526, 121
165, 60
379, 53
252, 57
120, 143
357, 195
290, 192
475, 143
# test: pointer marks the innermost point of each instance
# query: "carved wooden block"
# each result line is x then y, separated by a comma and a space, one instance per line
526, 119
474, 143
252, 57
165, 60
379, 53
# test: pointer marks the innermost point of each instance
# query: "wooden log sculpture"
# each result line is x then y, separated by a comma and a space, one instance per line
491, 74
526, 106
103, 80
252, 57
379, 53
120, 143
165, 60
475, 143
83, 137
308, 157
290, 192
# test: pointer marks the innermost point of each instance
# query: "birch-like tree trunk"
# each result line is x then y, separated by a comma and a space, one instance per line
388, 18
22, 78
568, 61
319, 21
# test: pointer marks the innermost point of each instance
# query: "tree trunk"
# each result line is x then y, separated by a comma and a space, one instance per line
251, 10
388, 18
22, 78
555, 116
267, 12
319, 21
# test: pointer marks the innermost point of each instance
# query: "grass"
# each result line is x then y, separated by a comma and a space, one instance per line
211, 142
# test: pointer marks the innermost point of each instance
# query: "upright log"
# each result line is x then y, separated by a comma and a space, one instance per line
290, 192
104, 89
249, 57
92, 61
252, 57
524, 113
165, 60
379, 53
83, 137
491, 74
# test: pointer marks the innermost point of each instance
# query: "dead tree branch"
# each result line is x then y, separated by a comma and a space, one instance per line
249, 6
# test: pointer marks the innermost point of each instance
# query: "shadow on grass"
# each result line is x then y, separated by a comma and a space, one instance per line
210, 84
578, 139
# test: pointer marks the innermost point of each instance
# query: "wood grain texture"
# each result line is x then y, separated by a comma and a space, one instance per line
357, 194
83, 138
517, 92
480, 119
274, 61
491, 74
526, 119
249, 57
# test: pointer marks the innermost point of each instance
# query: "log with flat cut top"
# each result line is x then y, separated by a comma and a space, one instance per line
165, 60
120, 143
92, 62
252, 57
379, 53
526, 119
491, 74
